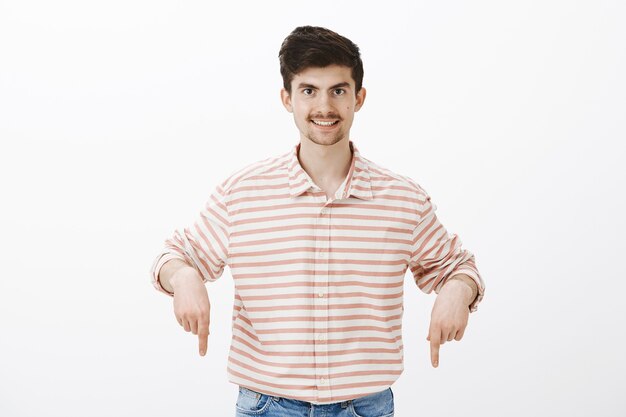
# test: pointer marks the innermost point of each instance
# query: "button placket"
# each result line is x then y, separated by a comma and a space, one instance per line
320, 299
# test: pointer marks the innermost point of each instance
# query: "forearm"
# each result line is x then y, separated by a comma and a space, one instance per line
168, 270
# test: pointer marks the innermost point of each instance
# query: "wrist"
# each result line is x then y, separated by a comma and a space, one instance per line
184, 275
470, 285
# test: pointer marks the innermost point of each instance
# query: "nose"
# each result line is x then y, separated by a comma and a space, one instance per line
324, 103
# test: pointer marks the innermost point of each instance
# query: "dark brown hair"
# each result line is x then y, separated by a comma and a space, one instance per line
312, 46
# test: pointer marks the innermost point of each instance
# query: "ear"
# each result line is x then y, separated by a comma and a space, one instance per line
360, 99
285, 97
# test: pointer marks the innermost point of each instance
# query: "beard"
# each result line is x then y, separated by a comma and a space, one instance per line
325, 140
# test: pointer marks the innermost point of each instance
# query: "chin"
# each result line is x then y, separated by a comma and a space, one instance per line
329, 141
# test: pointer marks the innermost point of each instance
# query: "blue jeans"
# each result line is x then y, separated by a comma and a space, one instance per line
252, 403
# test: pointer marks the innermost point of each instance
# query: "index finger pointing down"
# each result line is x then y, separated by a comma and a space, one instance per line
434, 348
203, 335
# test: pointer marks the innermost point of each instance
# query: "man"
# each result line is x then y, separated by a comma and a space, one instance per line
318, 241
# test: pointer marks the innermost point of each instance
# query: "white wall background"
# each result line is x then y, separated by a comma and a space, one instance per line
118, 118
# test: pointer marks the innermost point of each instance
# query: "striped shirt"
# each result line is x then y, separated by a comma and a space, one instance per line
318, 302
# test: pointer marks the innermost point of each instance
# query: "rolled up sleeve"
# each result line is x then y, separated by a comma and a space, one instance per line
204, 245
437, 255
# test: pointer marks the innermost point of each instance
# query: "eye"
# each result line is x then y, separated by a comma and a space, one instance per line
307, 91
339, 91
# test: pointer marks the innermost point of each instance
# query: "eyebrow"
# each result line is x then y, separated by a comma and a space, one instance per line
305, 85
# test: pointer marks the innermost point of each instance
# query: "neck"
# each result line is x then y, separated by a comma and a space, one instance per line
326, 165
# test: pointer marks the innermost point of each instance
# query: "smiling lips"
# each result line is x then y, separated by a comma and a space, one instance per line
325, 123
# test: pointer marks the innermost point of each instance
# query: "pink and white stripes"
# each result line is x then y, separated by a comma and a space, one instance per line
319, 282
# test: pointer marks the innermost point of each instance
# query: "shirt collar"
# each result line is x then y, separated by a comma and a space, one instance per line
357, 183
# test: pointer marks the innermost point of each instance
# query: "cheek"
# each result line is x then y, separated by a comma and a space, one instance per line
298, 112
302, 110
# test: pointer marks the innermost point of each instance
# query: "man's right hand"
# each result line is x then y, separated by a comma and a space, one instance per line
191, 304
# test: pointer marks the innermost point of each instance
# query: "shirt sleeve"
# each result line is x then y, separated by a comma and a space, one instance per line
437, 256
204, 245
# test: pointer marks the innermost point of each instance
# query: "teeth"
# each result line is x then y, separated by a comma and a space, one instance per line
320, 123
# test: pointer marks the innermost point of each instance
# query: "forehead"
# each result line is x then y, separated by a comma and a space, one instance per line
324, 76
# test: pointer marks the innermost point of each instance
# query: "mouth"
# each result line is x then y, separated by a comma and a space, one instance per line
324, 123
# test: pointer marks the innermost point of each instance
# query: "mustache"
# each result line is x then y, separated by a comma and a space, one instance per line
328, 116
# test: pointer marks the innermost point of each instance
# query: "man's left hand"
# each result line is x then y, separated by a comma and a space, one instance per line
449, 317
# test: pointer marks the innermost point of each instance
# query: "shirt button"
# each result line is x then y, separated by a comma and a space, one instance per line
324, 211
321, 254
323, 381
321, 338
321, 294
